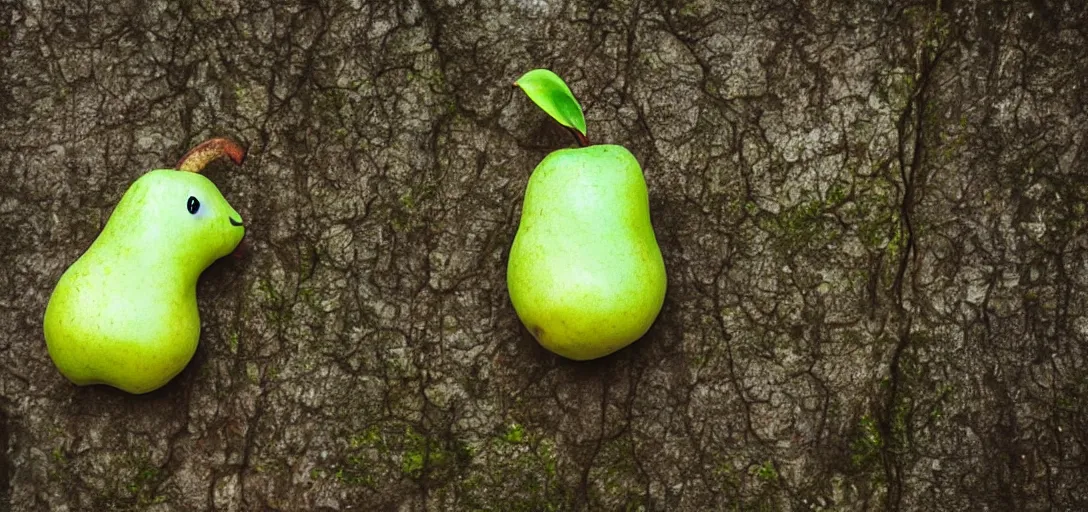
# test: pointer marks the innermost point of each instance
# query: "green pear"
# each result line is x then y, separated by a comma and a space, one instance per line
125, 313
585, 273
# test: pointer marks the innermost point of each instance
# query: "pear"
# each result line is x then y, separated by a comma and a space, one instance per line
125, 313
585, 273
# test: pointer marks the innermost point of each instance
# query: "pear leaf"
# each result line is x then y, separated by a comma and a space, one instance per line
550, 93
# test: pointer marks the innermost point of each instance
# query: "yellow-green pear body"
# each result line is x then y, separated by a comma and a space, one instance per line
585, 272
125, 313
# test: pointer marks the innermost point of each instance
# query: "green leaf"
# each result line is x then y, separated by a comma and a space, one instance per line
550, 93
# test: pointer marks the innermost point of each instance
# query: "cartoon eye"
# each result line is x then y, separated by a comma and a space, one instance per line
193, 205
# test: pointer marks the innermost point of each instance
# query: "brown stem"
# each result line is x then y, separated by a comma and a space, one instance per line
582, 139
205, 152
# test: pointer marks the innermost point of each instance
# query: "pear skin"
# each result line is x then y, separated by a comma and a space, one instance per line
585, 272
125, 313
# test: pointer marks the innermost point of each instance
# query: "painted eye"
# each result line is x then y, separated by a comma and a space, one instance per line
193, 205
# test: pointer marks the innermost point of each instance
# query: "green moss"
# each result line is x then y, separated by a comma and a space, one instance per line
134, 490
416, 454
363, 450
408, 202
59, 457
515, 433
865, 449
727, 477
144, 476
766, 472
808, 224
903, 402
264, 286
422, 456
60, 469
253, 372
756, 489
275, 312
515, 470
372, 455
546, 454
369, 438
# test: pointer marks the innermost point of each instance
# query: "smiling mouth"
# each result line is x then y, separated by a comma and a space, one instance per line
234, 222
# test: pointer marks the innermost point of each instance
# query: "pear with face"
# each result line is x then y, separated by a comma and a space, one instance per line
125, 313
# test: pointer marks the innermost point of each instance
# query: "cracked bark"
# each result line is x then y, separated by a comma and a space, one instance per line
872, 217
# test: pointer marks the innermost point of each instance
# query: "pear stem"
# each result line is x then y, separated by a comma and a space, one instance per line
583, 141
200, 156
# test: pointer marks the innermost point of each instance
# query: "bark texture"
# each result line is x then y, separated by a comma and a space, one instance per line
873, 216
